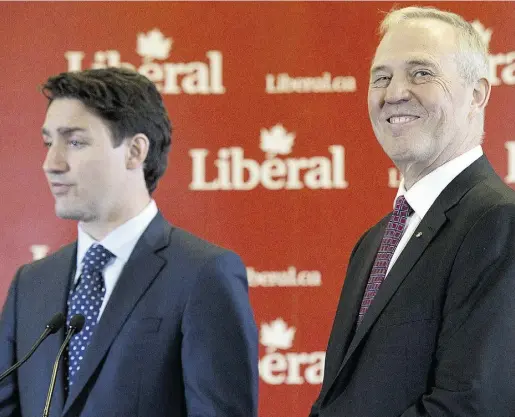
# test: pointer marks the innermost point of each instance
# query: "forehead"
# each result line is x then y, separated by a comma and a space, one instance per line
65, 112
420, 39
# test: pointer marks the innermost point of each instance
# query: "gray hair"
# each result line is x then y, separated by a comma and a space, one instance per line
473, 52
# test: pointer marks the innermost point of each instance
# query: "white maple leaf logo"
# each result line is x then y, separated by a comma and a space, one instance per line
277, 335
277, 140
153, 45
484, 33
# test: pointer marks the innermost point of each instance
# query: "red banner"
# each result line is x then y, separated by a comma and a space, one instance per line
273, 154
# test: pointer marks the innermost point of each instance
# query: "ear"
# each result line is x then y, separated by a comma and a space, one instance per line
137, 150
480, 95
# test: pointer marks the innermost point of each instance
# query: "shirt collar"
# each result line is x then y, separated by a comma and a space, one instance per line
120, 241
424, 192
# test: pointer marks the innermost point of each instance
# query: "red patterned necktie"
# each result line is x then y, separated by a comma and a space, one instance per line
392, 236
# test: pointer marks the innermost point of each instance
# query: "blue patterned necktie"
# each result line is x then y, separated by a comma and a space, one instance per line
392, 236
86, 299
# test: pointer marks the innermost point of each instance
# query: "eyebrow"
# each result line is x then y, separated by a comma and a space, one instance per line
64, 131
410, 63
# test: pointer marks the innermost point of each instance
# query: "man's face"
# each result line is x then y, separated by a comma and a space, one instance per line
85, 172
418, 102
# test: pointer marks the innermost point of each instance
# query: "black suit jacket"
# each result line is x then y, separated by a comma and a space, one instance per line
177, 337
439, 338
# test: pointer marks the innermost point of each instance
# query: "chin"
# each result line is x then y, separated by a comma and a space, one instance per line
68, 213
399, 154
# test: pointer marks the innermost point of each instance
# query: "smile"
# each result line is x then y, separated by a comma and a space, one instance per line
395, 120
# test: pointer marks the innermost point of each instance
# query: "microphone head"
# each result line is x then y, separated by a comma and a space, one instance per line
56, 322
77, 322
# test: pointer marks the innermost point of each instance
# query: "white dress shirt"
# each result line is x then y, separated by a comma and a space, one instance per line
423, 193
120, 242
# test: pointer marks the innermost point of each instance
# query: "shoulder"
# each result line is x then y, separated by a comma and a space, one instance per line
51, 263
196, 253
193, 245
486, 201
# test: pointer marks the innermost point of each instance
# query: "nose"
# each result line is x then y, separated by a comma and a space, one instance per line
398, 90
55, 160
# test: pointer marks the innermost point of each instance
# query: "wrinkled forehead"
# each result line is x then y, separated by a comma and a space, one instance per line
416, 40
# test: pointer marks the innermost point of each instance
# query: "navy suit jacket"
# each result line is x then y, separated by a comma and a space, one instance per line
438, 339
177, 337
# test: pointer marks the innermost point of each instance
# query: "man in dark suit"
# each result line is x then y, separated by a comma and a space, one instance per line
169, 329
425, 325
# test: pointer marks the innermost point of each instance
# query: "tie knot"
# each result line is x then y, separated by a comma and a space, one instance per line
402, 207
96, 259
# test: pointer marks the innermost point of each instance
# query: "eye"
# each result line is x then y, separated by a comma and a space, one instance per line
421, 73
47, 144
381, 81
76, 143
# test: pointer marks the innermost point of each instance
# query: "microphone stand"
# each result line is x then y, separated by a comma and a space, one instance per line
53, 326
76, 324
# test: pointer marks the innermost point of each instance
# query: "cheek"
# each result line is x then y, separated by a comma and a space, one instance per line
435, 100
92, 175
374, 104
112, 173
443, 93
462, 105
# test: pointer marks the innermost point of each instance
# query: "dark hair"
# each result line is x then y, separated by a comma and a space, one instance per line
128, 102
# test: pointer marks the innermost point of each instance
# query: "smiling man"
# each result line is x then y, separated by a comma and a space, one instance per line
169, 330
425, 325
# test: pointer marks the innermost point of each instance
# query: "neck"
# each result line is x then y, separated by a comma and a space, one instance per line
98, 229
414, 171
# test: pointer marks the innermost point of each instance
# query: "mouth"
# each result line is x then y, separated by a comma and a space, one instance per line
59, 188
401, 119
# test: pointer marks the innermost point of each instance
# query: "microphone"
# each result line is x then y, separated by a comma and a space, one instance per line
55, 323
76, 324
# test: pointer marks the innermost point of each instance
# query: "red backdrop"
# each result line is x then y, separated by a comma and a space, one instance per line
273, 153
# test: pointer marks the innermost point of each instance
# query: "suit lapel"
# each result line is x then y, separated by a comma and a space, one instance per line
427, 231
350, 300
138, 273
428, 228
58, 280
